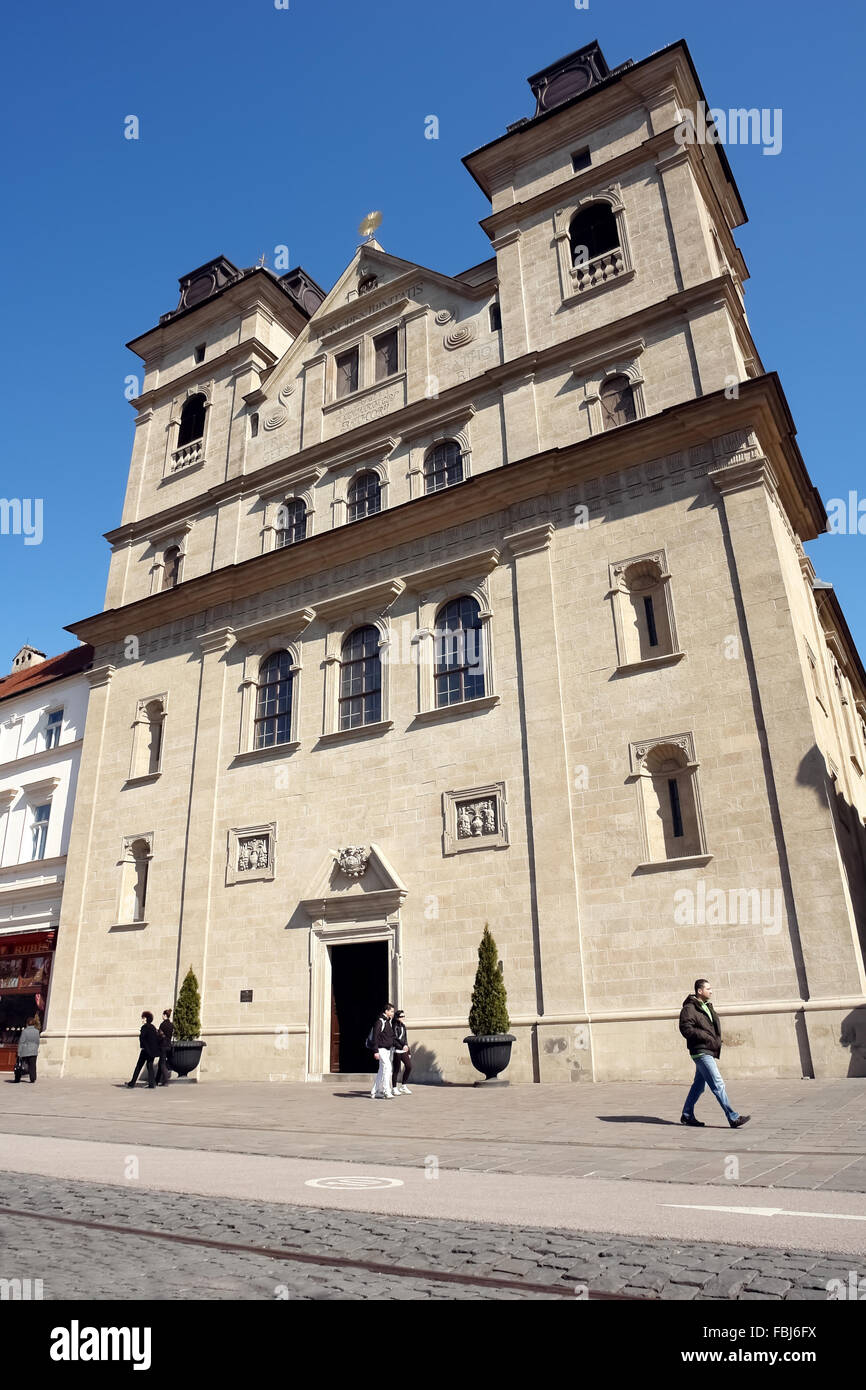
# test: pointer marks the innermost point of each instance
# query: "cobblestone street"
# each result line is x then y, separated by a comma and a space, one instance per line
75, 1262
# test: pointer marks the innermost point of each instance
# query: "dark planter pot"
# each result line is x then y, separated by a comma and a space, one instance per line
490, 1053
185, 1056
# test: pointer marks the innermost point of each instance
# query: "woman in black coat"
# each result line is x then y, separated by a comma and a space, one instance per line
148, 1039
401, 1055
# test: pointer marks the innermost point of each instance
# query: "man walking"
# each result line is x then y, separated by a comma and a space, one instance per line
383, 1046
148, 1039
699, 1025
402, 1056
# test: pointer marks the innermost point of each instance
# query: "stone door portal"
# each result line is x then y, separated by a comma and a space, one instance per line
359, 988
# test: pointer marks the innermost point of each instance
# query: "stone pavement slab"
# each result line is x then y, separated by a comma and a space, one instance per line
804, 1134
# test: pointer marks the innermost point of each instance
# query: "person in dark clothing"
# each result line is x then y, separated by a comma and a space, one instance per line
166, 1033
402, 1056
383, 1047
700, 1026
148, 1039
28, 1047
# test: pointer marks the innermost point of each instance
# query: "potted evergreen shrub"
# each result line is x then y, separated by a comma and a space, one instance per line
186, 1047
490, 1041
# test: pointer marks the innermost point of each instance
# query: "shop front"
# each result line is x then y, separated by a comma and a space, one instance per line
25, 969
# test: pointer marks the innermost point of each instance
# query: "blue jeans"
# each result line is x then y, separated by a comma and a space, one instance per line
707, 1074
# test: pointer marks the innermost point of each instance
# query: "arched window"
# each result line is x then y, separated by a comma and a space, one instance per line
133, 888
291, 521
672, 820
172, 562
360, 679
365, 496
458, 652
192, 420
592, 232
155, 715
617, 402
273, 722
647, 629
443, 465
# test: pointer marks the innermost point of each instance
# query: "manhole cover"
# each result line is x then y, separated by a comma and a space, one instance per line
363, 1180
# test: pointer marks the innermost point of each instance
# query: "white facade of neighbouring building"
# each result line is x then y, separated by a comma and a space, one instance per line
43, 706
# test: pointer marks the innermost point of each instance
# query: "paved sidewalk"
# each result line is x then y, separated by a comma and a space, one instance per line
804, 1134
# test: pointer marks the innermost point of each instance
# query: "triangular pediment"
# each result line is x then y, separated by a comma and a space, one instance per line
355, 298
355, 882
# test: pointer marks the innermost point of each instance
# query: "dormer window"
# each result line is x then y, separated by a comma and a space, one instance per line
347, 372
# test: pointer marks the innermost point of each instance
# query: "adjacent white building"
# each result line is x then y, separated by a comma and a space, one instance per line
43, 704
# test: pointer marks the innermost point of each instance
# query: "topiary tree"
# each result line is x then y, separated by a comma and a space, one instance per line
489, 1013
186, 1017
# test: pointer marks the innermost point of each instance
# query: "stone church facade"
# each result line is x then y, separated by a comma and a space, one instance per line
442, 600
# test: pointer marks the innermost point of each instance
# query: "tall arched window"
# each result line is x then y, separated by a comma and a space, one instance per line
617, 402
365, 496
360, 679
192, 420
592, 232
458, 652
273, 722
443, 465
291, 521
673, 825
155, 714
172, 562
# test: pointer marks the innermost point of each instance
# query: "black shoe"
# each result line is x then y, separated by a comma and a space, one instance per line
130, 1085
740, 1120
690, 1120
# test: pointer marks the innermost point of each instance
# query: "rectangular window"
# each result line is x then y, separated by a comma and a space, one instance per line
53, 727
676, 810
386, 354
581, 159
650, 620
495, 318
40, 830
347, 372
199, 352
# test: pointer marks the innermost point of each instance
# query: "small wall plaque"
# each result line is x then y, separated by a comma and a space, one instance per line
246, 996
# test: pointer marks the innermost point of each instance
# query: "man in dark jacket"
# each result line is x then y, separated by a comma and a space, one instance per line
166, 1033
699, 1025
148, 1039
383, 1048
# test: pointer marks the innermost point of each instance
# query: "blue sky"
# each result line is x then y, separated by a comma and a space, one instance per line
261, 127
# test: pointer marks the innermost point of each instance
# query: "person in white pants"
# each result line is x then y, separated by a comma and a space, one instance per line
383, 1048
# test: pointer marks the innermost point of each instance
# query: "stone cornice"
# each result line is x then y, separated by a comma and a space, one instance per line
234, 301
237, 358
760, 406
292, 622
531, 539
422, 416
373, 597
482, 562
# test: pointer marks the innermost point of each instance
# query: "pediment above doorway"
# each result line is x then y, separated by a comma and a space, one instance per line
354, 883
